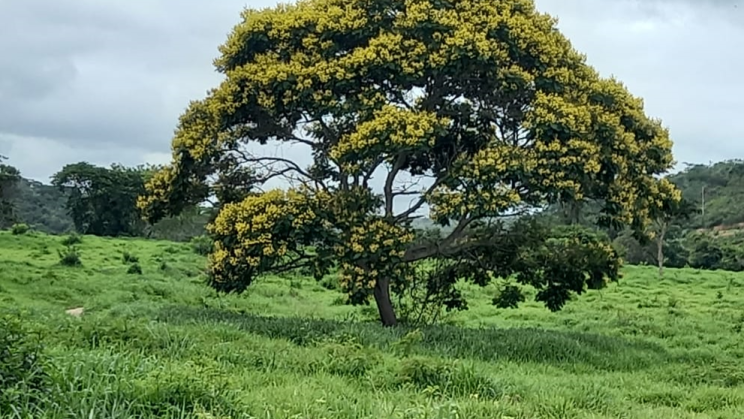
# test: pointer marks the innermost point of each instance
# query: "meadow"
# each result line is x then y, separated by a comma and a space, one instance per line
155, 342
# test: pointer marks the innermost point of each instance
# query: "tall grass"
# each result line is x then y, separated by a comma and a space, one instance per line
162, 345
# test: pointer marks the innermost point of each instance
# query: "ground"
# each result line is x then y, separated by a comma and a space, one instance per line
161, 344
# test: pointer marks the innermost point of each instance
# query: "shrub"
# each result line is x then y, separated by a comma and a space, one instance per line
202, 245
72, 239
70, 256
135, 269
23, 368
129, 258
19, 229
430, 295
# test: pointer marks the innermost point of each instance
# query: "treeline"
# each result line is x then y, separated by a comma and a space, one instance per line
707, 233
90, 199
101, 201
701, 250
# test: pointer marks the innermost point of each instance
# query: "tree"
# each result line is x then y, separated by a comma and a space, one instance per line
9, 178
473, 110
102, 201
672, 212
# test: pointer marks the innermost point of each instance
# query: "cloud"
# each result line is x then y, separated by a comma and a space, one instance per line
106, 81
107, 78
39, 158
679, 55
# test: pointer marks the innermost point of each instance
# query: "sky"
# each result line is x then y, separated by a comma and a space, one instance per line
105, 81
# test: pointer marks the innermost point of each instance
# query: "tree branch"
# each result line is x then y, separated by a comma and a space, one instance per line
299, 262
401, 193
373, 167
445, 247
313, 145
398, 95
421, 201
290, 166
407, 189
389, 197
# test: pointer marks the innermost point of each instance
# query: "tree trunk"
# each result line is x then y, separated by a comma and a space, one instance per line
660, 251
384, 304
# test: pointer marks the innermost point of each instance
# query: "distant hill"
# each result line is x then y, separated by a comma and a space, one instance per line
722, 185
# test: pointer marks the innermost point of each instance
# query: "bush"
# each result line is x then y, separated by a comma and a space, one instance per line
72, 239
129, 258
19, 229
202, 245
633, 252
135, 269
430, 295
714, 253
23, 368
70, 256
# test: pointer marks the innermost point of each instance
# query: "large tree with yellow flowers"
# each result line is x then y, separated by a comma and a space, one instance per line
472, 110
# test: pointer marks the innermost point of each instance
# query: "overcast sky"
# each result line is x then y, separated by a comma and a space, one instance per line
105, 81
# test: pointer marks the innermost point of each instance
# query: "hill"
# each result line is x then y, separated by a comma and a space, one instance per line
161, 344
722, 187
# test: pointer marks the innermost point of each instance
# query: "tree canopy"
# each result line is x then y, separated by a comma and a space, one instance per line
472, 110
102, 201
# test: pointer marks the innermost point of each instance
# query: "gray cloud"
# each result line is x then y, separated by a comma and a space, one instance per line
103, 78
681, 56
105, 81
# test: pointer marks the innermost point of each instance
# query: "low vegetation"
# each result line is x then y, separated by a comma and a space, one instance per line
201, 289
162, 345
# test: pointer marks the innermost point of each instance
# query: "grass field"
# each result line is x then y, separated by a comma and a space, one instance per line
162, 345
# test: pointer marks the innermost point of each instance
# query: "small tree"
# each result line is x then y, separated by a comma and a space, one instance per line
474, 110
672, 212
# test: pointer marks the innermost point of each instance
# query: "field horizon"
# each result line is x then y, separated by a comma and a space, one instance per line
157, 342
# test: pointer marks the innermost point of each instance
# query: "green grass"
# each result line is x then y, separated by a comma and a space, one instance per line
162, 345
